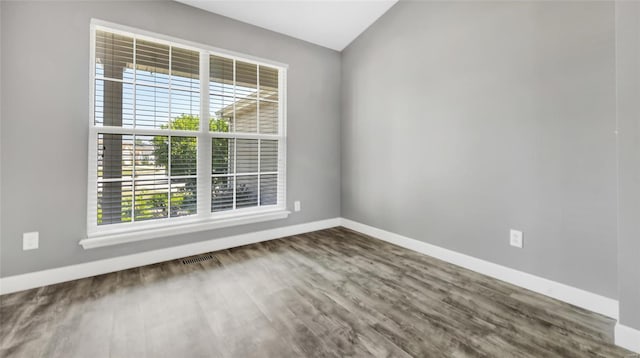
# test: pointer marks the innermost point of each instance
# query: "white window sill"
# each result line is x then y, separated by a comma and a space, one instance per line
108, 239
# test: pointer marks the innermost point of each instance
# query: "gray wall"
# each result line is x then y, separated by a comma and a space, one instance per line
628, 104
45, 82
462, 120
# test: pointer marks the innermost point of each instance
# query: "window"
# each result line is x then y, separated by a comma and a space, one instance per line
182, 137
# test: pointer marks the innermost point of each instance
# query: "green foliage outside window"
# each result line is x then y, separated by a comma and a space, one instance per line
152, 205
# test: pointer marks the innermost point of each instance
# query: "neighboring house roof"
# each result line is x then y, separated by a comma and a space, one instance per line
246, 104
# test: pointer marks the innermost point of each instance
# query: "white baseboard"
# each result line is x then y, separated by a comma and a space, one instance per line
575, 296
627, 337
67, 273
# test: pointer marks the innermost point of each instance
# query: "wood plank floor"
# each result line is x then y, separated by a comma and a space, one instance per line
331, 293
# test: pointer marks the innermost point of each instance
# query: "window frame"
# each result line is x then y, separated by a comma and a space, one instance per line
204, 219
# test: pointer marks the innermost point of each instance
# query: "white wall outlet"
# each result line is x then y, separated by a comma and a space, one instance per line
296, 206
516, 238
30, 240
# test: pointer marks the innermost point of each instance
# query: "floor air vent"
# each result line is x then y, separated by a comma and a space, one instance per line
196, 259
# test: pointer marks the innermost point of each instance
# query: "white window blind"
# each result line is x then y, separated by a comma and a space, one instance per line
181, 133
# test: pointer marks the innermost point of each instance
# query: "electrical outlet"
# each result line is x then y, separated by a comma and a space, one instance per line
30, 240
296, 206
516, 238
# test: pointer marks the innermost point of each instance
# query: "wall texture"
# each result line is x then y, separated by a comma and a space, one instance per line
45, 116
628, 105
462, 120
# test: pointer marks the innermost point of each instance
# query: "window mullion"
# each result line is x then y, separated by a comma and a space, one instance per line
169, 136
204, 141
235, 141
169, 177
133, 132
258, 128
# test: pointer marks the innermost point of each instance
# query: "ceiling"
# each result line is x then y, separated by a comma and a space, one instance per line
329, 23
